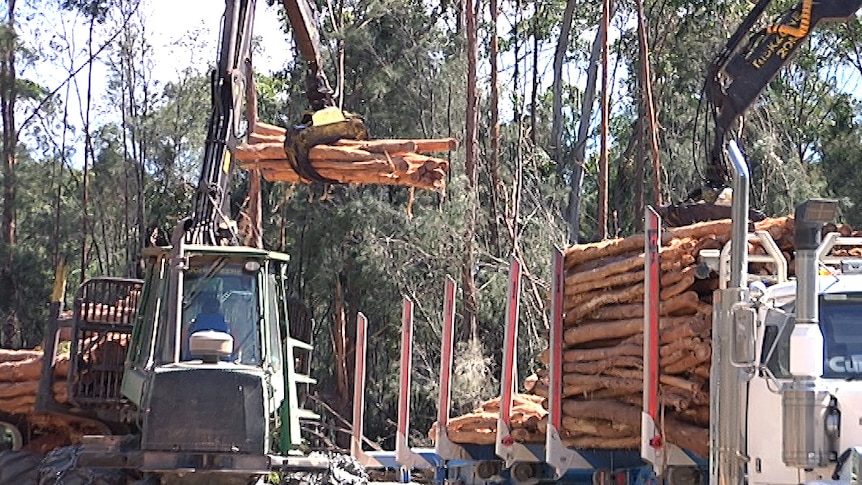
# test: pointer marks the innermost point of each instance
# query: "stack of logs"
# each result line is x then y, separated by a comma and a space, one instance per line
19, 379
387, 162
603, 348
480, 426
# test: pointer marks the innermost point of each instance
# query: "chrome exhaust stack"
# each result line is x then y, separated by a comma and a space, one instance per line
733, 344
805, 405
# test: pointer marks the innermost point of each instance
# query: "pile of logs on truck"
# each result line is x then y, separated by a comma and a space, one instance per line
602, 384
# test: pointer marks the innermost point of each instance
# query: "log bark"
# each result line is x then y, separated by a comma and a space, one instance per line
686, 303
582, 355
592, 442
686, 436
584, 383
599, 366
573, 427
8, 355
699, 325
596, 330
681, 286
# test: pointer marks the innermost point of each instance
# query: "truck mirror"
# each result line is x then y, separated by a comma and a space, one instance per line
742, 347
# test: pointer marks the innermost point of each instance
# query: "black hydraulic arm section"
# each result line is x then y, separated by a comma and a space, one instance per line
210, 222
739, 75
305, 34
325, 123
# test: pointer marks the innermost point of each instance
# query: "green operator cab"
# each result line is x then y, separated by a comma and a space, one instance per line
233, 300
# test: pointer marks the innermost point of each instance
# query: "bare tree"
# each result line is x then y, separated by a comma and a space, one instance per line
576, 167
470, 142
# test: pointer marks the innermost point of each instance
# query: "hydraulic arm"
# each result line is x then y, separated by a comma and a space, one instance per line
738, 75
210, 222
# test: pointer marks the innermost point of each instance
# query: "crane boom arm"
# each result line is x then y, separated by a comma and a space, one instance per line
210, 221
738, 76
301, 16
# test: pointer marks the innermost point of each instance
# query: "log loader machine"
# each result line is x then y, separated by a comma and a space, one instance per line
738, 74
165, 397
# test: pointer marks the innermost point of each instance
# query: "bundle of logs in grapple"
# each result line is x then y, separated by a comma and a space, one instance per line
387, 162
602, 384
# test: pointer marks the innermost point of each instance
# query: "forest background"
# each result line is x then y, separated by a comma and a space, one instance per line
102, 152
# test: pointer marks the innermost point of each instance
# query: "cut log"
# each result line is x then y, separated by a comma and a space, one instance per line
268, 129
695, 358
698, 325
687, 303
681, 344
610, 282
424, 172
584, 383
522, 435
419, 145
14, 389
695, 415
8, 355
680, 383
680, 286
573, 427
592, 442
596, 330
590, 302
599, 366
686, 436
582, 355
21, 370
672, 252
471, 437
580, 253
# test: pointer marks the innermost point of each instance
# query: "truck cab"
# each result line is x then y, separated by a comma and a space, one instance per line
835, 400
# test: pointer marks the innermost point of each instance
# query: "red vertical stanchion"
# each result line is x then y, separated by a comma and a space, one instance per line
401, 445
404, 455
444, 448
506, 447
557, 455
359, 386
652, 444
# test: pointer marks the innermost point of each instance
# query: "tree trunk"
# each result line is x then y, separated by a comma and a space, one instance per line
557, 107
602, 216
339, 344
576, 181
469, 286
497, 192
647, 101
88, 158
8, 93
10, 330
534, 91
